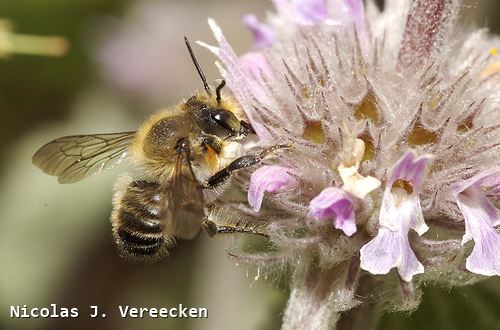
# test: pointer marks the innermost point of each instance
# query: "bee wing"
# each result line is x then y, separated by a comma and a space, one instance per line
73, 158
183, 205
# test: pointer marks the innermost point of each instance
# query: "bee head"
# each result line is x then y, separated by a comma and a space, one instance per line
214, 117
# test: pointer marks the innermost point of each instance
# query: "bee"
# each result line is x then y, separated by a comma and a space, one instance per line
181, 153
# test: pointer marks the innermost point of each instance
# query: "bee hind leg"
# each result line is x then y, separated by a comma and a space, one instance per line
240, 163
212, 229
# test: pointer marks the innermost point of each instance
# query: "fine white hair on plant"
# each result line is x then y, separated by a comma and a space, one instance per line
394, 121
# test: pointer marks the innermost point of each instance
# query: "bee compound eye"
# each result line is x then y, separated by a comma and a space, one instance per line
226, 120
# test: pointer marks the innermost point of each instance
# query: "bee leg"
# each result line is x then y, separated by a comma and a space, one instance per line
213, 229
238, 164
213, 142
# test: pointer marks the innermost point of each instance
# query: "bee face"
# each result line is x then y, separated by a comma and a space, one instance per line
215, 120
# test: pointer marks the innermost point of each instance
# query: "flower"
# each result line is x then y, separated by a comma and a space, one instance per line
263, 34
481, 216
309, 12
351, 157
268, 179
366, 98
399, 212
336, 204
256, 64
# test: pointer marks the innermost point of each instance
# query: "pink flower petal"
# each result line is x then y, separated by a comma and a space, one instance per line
411, 168
493, 183
388, 250
334, 203
397, 215
256, 64
356, 14
489, 178
263, 34
480, 218
268, 179
485, 256
400, 211
356, 9
310, 11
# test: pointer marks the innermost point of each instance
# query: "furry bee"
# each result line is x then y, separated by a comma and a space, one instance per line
181, 153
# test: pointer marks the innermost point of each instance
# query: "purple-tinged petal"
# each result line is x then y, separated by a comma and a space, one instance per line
388, 250
310, 11
334, 203
263, 34
485, 257
400, 211
356, 11
256, 64
411, 168
480, 218
242, 85
489, 178
355, 7
376, 258
268, 179
493, 183
356, 16
480, 215
409, 265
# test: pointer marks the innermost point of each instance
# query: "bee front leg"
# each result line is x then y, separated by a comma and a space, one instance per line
213, 142
238, 164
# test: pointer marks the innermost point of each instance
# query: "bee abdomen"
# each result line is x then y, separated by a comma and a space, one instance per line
137, 227
137, 245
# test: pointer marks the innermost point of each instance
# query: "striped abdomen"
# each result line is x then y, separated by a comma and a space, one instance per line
137, 227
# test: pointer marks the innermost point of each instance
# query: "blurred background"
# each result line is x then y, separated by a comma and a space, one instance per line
121, 60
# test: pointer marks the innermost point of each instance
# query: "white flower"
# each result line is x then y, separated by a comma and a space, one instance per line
400, 212
481, 217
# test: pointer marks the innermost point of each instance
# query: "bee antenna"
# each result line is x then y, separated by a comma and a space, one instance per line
218, 89
198, 68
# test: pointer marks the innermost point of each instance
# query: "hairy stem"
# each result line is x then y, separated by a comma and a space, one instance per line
318, 295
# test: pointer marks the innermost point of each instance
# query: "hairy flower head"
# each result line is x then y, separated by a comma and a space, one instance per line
394, 120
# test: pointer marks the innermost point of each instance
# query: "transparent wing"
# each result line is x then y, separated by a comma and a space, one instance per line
73, 158
183, 206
